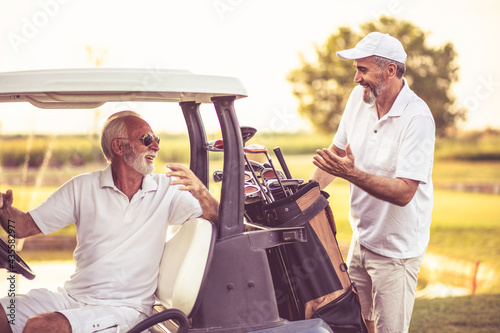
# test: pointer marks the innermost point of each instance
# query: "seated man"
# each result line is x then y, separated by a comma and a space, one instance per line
121, 215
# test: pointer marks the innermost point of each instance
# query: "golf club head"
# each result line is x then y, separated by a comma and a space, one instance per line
217, 175
273, 183
256, 166
254, 193
255, 149
247, 133
269, 173
215, 146
249, 179
218, 145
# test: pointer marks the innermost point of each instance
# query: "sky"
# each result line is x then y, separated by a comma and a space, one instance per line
257, 41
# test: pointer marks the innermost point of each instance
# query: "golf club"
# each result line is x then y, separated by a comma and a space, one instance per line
254, 148
217, 175
265, 197
268, 173
284, 167
218, 145
289, 184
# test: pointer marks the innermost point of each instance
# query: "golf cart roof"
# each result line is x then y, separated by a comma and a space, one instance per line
91, 87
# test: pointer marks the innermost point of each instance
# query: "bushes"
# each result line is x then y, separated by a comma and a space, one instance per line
79, 150
74, 150
15, 151
470, 146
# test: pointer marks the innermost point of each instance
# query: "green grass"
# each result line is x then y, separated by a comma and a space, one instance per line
465, 226
470, 146
447, 173
79, 150
463, 223
477, 314
293, 144
65, 150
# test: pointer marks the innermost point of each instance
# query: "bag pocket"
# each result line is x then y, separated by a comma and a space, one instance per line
343, 314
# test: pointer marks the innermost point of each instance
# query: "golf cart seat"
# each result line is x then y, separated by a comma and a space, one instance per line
184, 265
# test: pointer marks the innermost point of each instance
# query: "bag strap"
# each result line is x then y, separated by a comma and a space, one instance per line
303, 217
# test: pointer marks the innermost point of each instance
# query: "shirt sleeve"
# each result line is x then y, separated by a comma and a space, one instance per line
57, 211
184, 207
416, 154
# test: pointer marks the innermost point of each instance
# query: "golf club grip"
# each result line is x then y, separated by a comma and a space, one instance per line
281, 159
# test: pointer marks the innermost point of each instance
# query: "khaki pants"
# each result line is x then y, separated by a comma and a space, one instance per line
386, 287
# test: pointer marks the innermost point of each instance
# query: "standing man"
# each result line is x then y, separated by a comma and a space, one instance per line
384, 147
121, 215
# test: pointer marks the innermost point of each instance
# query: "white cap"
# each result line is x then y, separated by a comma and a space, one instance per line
378, 44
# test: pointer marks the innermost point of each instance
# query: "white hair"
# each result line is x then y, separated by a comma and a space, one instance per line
115, 127
382, 62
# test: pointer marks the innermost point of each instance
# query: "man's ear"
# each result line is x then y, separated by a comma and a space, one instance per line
391, 70
117, 146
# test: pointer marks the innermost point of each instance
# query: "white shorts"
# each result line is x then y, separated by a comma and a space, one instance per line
386, 286
83, 318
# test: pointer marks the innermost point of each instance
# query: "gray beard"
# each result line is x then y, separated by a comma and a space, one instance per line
370, 98
374, 92
138, 162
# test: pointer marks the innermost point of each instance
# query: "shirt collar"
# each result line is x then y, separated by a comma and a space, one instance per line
107, 177
148, 182
401, 101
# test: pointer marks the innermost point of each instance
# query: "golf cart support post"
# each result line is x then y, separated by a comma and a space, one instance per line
238, 293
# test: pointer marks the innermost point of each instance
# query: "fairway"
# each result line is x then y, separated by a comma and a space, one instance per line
465, 230
465, 226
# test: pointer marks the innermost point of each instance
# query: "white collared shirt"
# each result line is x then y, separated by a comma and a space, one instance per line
398, 145
120, 242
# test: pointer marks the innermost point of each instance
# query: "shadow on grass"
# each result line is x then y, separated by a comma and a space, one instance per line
478, 314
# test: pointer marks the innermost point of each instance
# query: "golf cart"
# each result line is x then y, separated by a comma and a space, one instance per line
222, 279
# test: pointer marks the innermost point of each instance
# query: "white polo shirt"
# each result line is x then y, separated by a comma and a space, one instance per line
400, 144
120, 242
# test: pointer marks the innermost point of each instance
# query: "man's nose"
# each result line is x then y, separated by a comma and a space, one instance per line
154, 146
357, 78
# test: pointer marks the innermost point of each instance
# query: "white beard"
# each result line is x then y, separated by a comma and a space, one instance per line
138, 162
370, 98
375, 91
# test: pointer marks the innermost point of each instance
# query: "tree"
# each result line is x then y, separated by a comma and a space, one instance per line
323, 87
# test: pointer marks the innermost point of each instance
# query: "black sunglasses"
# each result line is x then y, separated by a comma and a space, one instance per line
146, 139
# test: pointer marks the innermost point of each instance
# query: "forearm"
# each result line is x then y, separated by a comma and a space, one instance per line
210, 207
19, 222
323, 178
398, 191
189, 182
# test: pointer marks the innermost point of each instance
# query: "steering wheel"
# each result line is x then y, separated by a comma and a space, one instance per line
12, 262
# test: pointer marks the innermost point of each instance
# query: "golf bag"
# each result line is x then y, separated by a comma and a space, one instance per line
310, 278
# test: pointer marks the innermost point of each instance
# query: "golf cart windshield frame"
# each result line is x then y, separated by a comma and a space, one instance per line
93, 87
